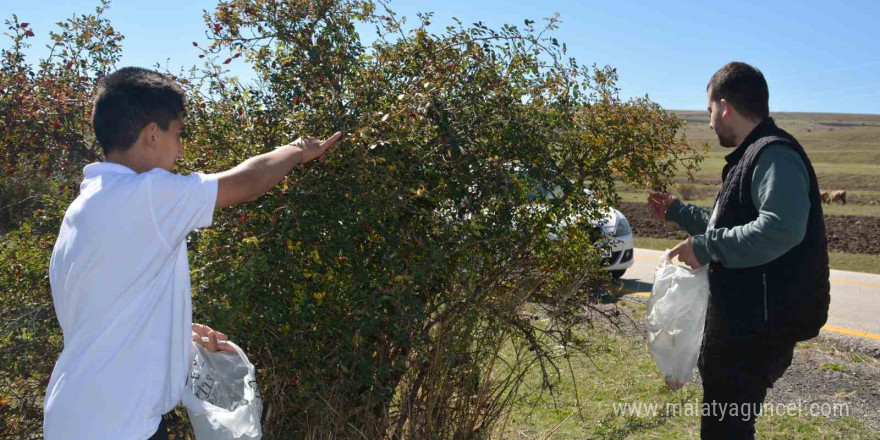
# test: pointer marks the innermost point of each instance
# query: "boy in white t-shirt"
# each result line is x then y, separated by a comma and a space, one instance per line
119, 271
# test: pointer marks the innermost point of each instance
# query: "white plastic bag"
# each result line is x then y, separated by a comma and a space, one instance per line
676, 317
222, 397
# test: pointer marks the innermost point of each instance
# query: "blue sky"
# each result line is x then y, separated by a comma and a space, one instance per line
818, 56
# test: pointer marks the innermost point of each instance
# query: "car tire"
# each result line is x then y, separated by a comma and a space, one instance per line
617, 274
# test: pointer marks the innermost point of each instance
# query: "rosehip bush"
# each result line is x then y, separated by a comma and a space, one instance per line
375, 291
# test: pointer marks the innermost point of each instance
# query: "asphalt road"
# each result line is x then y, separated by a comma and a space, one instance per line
855, 297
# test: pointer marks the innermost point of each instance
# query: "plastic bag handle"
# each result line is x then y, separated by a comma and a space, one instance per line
666, 261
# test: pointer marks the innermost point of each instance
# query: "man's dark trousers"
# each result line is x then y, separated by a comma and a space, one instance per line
738, 373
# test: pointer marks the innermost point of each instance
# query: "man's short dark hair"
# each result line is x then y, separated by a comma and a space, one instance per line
129, 99
744, 87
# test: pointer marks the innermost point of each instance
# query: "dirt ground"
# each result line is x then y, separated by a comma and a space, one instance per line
850, 234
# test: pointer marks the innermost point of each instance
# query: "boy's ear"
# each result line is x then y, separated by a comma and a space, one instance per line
151, 134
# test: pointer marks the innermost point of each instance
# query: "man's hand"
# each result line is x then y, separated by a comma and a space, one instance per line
216, 340
314, 148
685, 253
659, 202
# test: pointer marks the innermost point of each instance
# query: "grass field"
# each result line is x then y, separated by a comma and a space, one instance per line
706, 197
618, 369
839, 261
844, 149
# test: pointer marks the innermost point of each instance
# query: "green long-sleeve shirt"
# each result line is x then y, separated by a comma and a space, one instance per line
780, 191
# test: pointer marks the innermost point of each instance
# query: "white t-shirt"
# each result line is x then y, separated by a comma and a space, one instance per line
121, 289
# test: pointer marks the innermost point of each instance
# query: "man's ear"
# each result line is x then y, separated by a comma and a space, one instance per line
727, 110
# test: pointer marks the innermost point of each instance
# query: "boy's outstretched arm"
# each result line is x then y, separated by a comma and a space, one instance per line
259, 174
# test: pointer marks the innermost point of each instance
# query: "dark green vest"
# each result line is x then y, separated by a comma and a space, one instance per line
786, 299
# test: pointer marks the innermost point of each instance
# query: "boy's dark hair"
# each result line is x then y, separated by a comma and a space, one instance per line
129, 99
744, 87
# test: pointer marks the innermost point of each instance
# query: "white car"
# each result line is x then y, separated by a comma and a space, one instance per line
620, 236
619, 255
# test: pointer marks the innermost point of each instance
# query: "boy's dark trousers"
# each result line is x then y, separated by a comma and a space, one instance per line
162, 432
738, 373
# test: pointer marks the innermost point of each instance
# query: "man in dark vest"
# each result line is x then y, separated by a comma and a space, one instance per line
765, 245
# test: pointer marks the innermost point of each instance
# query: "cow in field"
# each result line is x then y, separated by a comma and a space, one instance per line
825, 197
838, 196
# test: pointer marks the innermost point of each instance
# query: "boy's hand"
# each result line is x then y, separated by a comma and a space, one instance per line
216, 340
314, 148
659, 202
